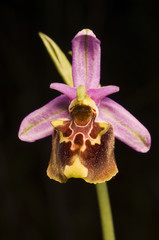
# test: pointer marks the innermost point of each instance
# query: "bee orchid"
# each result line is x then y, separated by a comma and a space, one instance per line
84, 121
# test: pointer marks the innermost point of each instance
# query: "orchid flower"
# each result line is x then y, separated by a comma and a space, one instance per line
84, 121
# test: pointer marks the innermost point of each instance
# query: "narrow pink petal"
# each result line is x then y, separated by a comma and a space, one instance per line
86, 59
63, 88
99, 93
126, 127
37, 124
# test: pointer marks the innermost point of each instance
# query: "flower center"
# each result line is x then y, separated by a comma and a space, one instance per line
83, 109
82, 114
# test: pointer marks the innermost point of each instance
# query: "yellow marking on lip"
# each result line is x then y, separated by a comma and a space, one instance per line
76, 170
57, 123
98, 138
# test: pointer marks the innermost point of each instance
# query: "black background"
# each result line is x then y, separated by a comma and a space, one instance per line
32, 205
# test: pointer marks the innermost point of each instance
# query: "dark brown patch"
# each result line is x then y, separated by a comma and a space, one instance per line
67, 133
95, 130
79, 139
99, 159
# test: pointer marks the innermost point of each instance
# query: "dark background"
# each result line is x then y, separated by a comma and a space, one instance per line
32, 205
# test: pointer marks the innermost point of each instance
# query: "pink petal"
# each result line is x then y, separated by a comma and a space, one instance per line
99, 93
126, 127
86, 59
63, 88
37, 124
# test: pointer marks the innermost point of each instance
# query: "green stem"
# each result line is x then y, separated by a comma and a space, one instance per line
105, 211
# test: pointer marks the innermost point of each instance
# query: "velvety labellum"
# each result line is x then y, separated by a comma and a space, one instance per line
84, 150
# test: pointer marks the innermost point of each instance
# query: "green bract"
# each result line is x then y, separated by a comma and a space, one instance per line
60, 60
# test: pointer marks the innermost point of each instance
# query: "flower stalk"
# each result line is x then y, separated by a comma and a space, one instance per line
105, 211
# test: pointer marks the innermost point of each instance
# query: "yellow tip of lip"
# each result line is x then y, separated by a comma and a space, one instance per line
76, 170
